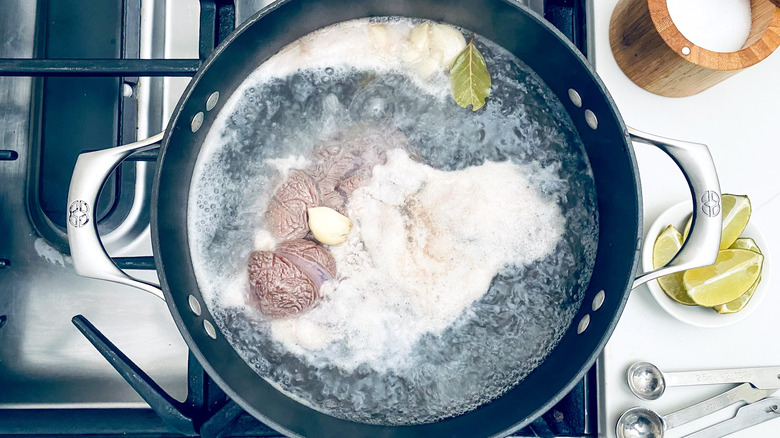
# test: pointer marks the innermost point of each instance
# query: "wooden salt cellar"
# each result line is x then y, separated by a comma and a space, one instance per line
657, 57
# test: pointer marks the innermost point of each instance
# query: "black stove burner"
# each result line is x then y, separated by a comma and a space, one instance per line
207, 411
73, 97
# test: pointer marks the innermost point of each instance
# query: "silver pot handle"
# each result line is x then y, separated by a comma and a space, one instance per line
701, 247
90, 258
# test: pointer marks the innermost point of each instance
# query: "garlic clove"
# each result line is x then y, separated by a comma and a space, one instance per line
418, 44
381, 40
328, 226
441, 42
449, 41
430, 64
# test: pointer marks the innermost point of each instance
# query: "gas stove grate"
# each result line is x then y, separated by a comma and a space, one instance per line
207, 411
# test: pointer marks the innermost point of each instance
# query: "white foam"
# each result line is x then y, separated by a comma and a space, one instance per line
284, 165
425, 245
371, 46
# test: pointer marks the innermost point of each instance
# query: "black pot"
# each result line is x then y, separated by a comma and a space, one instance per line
609, 150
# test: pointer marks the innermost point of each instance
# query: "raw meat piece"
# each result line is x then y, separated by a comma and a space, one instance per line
342, 165
278, 287
347, 161
287, 282
287, 210
311, 257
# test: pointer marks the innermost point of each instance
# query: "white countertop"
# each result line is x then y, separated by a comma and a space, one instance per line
739, 119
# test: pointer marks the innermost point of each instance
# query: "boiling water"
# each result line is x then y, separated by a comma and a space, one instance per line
425, 244
273, 122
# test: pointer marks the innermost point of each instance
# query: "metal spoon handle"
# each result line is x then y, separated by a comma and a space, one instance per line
744, 392
748, 415
760, 377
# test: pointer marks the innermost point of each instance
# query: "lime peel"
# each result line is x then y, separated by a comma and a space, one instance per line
666, 246
733, 273
741, 301
736, 214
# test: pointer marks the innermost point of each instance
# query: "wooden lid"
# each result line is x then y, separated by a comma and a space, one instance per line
763, 39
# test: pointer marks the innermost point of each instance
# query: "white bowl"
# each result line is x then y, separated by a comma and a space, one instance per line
677, 215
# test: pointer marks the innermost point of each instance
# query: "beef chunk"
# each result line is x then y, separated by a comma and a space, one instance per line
346, 162
287, 281
287, 210
311, 257
278, 287
342, 165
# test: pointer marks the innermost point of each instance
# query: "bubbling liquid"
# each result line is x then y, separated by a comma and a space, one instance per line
425, 245
506, 318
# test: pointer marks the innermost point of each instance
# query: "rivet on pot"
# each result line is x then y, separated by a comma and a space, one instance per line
598, 300
584, 322
197, 121
127, 90
575, 97
194, 305
209, 329
591, 119
212, 101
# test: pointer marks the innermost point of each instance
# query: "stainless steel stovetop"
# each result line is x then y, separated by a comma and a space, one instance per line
45, 362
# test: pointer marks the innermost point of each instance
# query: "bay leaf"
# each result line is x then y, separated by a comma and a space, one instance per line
469, 78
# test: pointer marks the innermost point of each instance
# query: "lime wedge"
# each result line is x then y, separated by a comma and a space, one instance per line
746, 243
736, 214
733, 273
664, 249
740, 302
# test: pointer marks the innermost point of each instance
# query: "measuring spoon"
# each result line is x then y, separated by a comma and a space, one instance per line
747, 416
647, 382
645, 423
